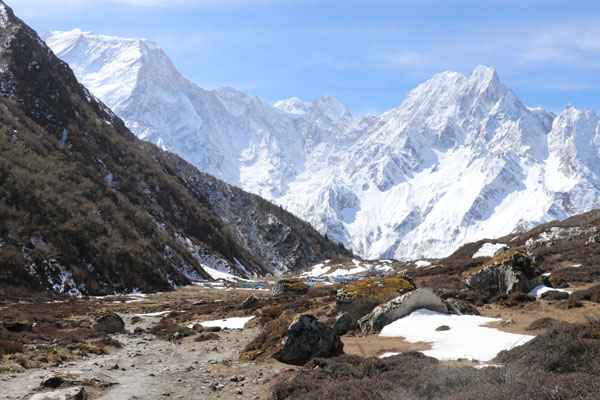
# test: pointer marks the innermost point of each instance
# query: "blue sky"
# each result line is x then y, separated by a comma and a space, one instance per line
368, 54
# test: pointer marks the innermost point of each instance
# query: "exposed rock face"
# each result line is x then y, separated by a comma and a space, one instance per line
342, 324
307, 338
376, 288
461, 307
399, 307
108, 322
511, 271
289, 286
250, 302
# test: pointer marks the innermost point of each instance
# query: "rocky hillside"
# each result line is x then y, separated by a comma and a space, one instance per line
460, 159
85, 209
281, 240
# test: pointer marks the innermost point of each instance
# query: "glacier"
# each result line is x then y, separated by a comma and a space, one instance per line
460, 159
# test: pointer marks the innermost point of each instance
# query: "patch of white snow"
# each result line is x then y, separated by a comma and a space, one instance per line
467, 338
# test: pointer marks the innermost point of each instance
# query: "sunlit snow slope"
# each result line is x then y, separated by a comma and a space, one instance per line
460, 159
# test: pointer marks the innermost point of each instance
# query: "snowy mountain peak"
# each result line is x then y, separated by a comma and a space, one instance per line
331, 108
293, 105
460, 159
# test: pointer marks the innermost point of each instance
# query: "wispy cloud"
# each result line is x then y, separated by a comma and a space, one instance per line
573, 44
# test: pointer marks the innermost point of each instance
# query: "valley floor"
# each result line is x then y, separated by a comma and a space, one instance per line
178, 362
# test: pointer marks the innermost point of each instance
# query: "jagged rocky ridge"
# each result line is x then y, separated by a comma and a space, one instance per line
87, 208
460, 159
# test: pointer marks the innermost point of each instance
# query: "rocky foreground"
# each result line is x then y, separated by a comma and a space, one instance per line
153, 358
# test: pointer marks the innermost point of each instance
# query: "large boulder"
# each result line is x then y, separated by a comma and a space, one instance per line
399, 307
289, 286
508, 272
307, 338
250, 302
376, 289
342, 324
108, 322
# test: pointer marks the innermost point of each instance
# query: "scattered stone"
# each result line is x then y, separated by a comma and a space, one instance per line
342, 324
108, 322
72, 393
250, 302
442, 328
399, 307
508, 272
307, 338
289, 286
17, 368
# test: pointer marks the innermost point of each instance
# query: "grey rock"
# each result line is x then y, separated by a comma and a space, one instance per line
250, 302
461, 307
72, 393
509, 272
17, 368
307, 338
108, 322
399, 307
342, 324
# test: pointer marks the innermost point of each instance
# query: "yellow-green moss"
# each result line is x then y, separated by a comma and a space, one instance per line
378, 288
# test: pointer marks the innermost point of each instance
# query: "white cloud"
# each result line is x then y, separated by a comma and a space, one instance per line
573, 44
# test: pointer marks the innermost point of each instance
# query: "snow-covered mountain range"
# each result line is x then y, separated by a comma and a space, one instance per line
460, 159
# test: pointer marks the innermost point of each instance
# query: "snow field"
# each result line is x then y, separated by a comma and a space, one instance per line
466, 338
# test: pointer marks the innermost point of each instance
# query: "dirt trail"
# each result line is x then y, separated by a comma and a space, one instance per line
146, 367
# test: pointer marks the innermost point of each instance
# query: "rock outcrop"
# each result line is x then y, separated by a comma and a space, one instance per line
307, 338
508, 272
108, 322
399, 307
460, 307
250, 302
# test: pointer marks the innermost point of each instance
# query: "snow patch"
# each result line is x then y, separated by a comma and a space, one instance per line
154, 314
228, 323
467, 338
541, 289
488, 249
